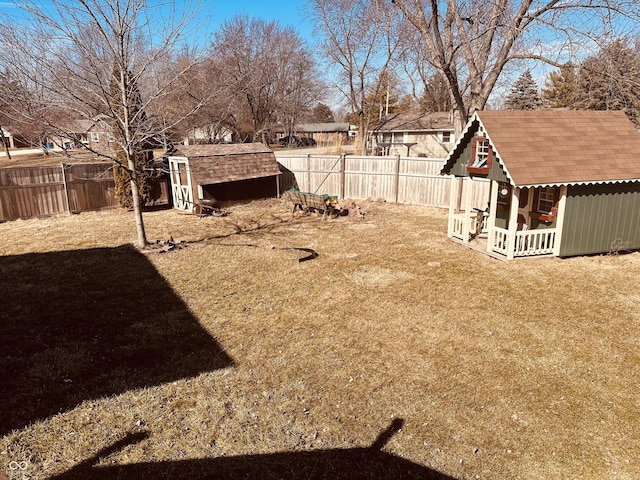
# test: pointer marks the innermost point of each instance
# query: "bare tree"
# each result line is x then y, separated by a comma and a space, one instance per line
87, 58
23, 105
470, 43
360, 39
197, 102
271, 71
6, 87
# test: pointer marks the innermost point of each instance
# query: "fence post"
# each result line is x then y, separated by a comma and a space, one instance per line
397, 180
343, 161
308, 189
66, 188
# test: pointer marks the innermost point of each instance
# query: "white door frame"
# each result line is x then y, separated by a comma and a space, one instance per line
182, 192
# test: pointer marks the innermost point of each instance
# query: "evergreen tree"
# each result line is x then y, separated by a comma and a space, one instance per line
321, 113
610, 80
409, 104
436, 97
125, 133
524, 94
560, 88
384, 99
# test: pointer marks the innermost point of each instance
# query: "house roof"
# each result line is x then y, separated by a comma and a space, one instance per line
561, 147
84, 125
414, 122
211, 164
323, 127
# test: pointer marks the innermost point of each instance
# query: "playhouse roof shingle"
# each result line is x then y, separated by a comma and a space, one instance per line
555, 147
212, 164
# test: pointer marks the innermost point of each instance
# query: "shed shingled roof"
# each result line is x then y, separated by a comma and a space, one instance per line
210, 164
560, 147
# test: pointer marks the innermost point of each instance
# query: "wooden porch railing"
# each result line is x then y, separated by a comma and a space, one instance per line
476, 223
528, 242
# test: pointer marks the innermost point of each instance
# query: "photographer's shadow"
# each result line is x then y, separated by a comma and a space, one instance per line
367, 463
81, 325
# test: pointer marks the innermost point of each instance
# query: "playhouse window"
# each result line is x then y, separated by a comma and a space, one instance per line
546, 199
545, 203
481, 156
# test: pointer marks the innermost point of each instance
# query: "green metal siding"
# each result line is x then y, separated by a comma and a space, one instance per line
496, 173
459, 167
601, 218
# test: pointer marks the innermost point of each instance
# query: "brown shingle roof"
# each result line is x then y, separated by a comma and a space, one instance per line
546, 147
210, 164
323, 127
412, 122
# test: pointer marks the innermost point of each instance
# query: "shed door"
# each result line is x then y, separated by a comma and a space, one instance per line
181, 184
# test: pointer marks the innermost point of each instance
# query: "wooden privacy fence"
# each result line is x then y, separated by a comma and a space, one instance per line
35, 191
393, 179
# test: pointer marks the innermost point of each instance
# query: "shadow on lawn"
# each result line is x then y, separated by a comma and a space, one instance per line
79, 325
369, 463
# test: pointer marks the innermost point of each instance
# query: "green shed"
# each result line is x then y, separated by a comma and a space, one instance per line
562, 183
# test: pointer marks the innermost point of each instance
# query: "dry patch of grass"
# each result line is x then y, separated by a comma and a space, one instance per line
526, 369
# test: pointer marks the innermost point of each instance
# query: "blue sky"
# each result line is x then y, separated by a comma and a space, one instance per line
285, 12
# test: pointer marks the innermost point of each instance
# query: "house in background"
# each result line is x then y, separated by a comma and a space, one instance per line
413, 134
563, 183
8, 139
95, 134
223, 173
213, 133
333, 133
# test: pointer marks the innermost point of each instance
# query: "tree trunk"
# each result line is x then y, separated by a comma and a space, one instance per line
137, 207
363, 134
